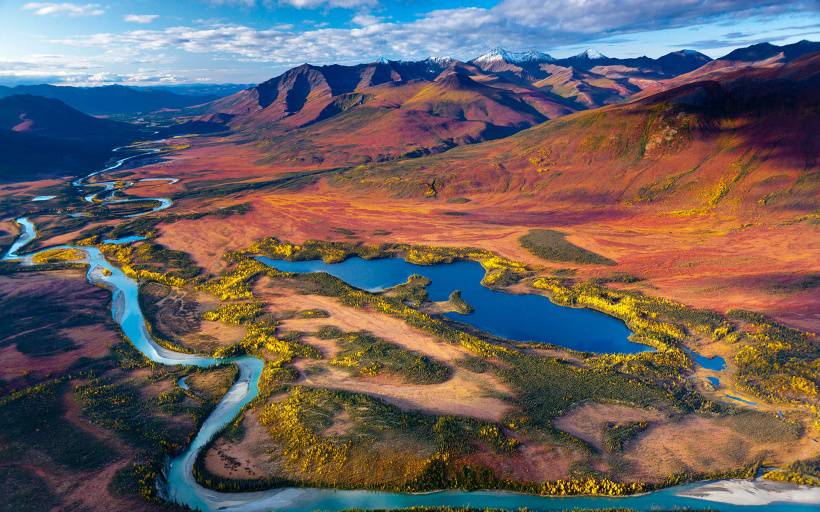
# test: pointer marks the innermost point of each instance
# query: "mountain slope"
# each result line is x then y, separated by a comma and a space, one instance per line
745, 145
42, 137
382, 111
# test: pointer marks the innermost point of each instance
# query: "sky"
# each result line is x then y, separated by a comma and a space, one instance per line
148, 42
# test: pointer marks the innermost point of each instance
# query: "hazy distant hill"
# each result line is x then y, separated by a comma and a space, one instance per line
212, 90
114, 99
42, 137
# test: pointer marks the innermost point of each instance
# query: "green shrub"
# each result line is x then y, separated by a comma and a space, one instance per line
552, 245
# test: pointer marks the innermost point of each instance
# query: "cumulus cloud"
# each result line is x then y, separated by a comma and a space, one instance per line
462, 32
364, 19
140, 18
64, 8
596, 16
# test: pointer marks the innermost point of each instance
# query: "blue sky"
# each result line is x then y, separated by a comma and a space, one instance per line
247, 41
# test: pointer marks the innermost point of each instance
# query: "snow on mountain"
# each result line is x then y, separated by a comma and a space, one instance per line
502, 55
442, 61
590, 54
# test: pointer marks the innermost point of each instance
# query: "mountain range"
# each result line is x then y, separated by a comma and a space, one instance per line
388, 110
692, 149
329, 116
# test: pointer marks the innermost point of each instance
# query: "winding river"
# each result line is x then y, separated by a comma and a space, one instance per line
180, 486
109, 187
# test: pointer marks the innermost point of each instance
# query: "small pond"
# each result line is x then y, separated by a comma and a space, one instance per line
715, 363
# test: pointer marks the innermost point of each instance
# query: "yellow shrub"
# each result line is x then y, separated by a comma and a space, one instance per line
58, 256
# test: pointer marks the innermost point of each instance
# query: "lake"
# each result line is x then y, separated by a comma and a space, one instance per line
517, 317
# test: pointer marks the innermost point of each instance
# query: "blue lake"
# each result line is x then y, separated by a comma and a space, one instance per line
517, 317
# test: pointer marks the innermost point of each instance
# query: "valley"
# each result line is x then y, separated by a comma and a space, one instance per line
273, 323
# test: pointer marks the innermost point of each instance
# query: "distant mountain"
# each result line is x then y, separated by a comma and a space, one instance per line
668, 65
42, 137
683, 61
757, 56
213, 91
383, 110
112, 99
588, 79
590, 54
744, 144
763, 51
48, 117
389, 109
501, 55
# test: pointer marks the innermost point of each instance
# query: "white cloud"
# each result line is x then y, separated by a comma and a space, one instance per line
140, 18
364, 20
299, 4
347, 4
66, 8
83, 71
600, 16
463, 32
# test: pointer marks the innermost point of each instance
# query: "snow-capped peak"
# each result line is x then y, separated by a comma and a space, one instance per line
442, 61
502, 55
383, 60
590, 54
